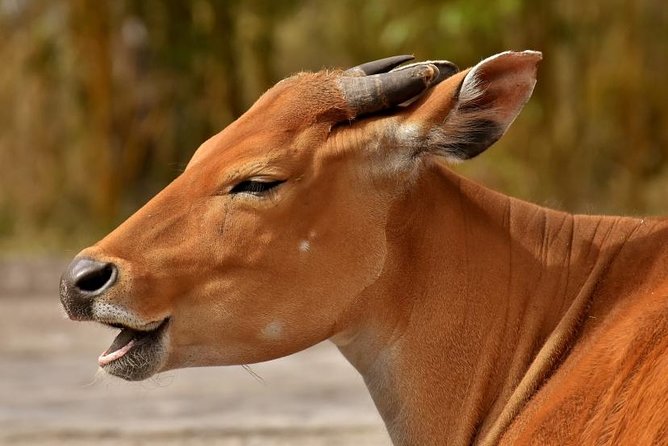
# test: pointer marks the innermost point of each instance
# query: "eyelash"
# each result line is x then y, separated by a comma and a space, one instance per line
252, 187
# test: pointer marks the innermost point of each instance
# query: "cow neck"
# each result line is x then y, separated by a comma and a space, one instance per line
480, 298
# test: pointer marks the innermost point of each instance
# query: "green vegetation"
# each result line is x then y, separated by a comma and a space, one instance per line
103, 102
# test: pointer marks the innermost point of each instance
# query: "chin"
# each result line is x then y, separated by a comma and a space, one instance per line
136, 355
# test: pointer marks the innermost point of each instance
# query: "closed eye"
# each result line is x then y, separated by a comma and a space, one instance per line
255, 187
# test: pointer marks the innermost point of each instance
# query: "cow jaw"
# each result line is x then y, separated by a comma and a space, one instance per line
136, 354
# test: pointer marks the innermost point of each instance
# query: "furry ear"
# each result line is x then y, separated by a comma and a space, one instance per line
484, 104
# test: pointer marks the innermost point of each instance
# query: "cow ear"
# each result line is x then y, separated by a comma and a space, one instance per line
482, 104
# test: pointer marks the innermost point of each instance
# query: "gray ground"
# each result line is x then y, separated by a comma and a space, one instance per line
51, 393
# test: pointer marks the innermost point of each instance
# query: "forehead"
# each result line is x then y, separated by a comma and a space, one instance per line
294, 108
303, 99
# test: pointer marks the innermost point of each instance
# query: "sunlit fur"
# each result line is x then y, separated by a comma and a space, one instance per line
473, 317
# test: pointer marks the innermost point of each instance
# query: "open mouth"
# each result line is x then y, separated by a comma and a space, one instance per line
135, 353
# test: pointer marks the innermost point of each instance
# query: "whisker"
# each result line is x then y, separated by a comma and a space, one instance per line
163, 380
252, 373
99, 376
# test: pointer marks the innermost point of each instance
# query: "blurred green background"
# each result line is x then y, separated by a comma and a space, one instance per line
103, 102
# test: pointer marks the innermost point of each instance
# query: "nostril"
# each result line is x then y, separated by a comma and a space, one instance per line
90, 277
96, 279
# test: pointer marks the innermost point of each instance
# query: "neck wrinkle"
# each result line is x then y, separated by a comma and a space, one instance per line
481, 296
594, 259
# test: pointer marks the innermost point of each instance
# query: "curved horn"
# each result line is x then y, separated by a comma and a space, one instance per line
369, 94
378, 66
445, 69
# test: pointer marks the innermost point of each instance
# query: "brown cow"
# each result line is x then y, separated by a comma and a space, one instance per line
327, 211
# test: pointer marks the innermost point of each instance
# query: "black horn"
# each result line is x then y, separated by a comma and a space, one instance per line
369, 94
445, 69
378, 66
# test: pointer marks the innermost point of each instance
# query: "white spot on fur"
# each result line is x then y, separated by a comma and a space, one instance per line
396, 152
273, 330
409, 132
305, 245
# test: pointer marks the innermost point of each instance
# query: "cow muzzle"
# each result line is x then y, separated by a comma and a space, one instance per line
87, 293
83, 281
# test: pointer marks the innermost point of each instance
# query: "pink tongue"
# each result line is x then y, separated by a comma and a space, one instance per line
105, 358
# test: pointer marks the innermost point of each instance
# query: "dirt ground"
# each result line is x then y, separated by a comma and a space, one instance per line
52, 394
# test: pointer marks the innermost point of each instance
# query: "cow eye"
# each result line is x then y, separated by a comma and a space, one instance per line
255, 187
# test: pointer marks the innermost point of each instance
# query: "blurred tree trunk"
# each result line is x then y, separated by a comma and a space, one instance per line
225, 40
89, 29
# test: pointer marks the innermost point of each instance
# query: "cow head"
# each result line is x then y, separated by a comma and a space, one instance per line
264, 244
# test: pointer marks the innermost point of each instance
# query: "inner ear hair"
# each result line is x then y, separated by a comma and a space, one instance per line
469, 129
473, 136
484, 105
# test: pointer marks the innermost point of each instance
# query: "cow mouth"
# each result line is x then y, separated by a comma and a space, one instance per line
135, 353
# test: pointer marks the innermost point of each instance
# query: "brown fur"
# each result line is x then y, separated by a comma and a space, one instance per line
473, 317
